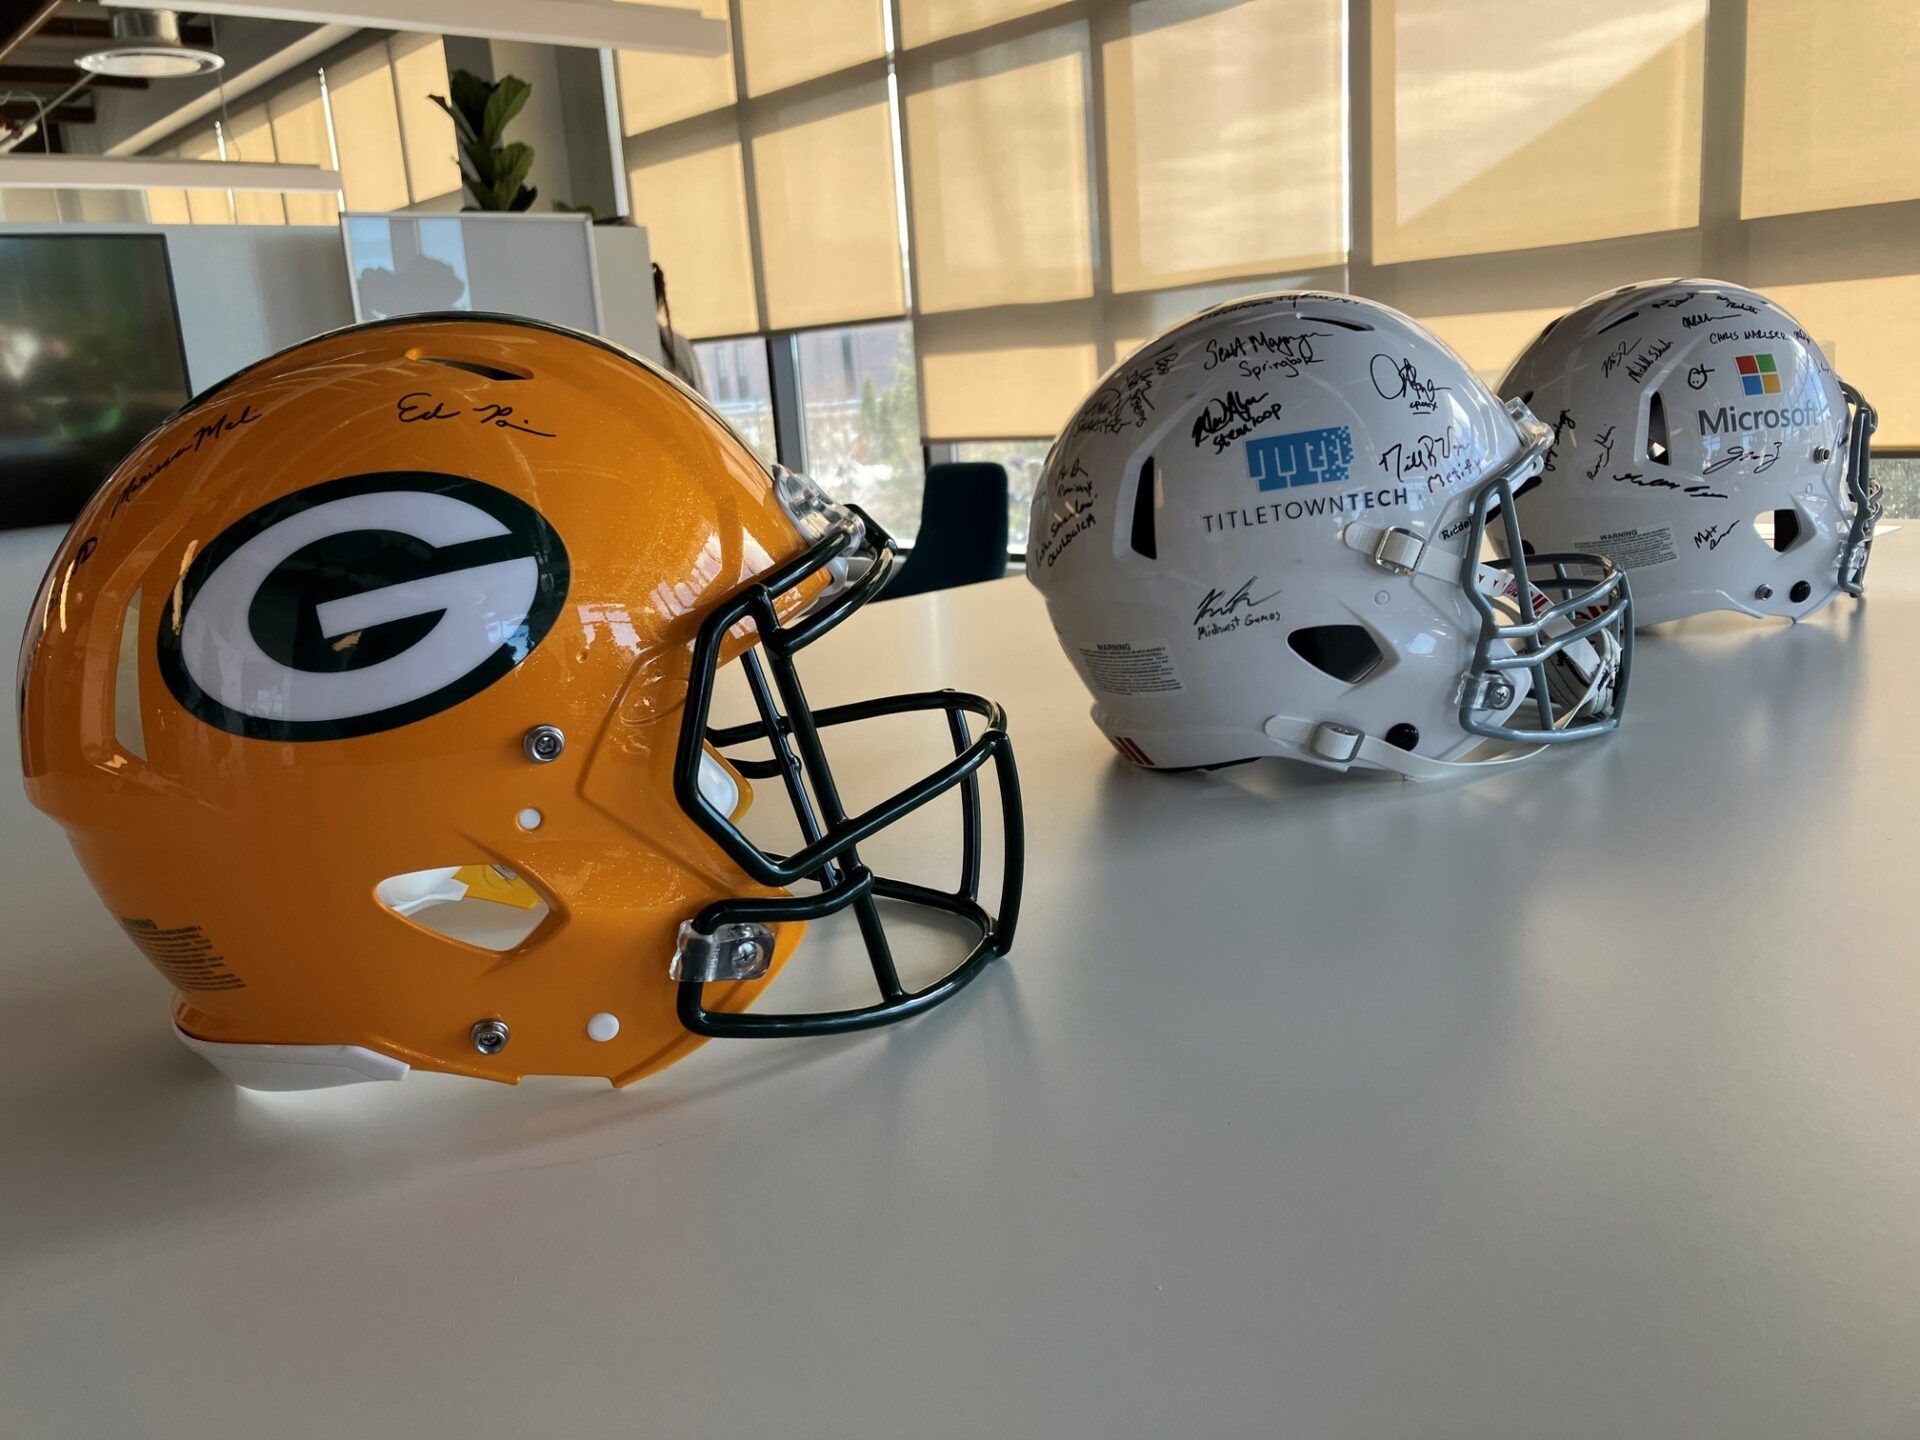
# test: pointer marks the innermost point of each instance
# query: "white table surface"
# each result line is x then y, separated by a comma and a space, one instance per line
1580, 1101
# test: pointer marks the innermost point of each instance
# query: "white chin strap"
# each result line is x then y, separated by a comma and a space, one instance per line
1340, 747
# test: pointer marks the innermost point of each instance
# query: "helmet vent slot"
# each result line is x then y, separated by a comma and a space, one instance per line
1343, 324
1616, 324
129, 730
1346, 652
1657, 451
1779, 529
1145, 499
482, 904
473, 367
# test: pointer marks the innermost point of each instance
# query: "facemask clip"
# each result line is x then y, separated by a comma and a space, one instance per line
738, 950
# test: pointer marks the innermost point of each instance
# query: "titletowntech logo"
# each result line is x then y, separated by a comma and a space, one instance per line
1304, 457
1758, 375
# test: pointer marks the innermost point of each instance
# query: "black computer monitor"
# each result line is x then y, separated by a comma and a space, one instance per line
90, 361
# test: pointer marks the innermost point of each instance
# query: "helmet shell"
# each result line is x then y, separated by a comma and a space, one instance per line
1684, 412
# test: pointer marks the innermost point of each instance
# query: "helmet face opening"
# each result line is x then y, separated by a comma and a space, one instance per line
733, 939
1563, 621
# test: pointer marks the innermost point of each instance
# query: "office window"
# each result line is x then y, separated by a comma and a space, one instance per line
1899, 478
689, 189
861, 408
250, 139
786, 42
1214, 169
739, 386
168, 207
366, 127
657, 89
1509, 124
1022, 460
206, 207
997, 160
829, 221
300, 138
925, 20
1821, 128
420, 70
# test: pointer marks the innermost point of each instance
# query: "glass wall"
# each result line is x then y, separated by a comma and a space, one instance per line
861, 410
737, 382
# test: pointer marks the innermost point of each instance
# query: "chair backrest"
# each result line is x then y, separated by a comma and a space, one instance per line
963, 531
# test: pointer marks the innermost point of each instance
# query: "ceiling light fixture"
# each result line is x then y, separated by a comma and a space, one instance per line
147, 45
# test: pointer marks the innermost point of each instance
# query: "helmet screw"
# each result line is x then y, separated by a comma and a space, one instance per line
1765, 592
543, 743
489, 1036
1821, 454
1499, 694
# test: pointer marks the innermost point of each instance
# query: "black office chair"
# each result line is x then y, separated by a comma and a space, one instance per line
963, 531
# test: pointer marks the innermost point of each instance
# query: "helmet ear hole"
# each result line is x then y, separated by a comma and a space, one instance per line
480, 904
1145, 497
1780, 529
1346, 652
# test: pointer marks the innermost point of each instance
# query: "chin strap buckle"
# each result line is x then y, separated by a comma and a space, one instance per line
1399, 550
1335, 744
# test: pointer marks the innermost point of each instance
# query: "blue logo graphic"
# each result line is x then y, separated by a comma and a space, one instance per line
1306, 457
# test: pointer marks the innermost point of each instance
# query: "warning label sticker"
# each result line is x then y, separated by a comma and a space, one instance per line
1121, 668
1632, 549
183, 954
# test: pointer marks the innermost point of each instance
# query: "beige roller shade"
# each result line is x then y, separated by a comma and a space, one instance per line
250, 138
1509, 124
1832, 105
658, 89
1853, 283
689, 190
997, 167
1005, 373
207, 207
1490, 340
168, 207
1215, 167
829, 225
786, 42
420, 70
924, 20
300, 138
366, 126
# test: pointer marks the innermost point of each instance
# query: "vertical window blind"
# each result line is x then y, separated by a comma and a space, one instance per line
1039, 186
395, 146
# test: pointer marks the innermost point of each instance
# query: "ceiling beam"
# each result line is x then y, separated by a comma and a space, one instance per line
59, 115
149, 172
594, 24
19, 19
61, 77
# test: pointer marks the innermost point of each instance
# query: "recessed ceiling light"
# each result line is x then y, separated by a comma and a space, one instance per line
147, 47
151, 62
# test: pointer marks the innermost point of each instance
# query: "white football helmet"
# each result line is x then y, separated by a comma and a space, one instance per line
1702, 442
1261, 535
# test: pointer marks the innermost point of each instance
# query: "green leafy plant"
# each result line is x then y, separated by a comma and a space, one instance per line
495, 174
